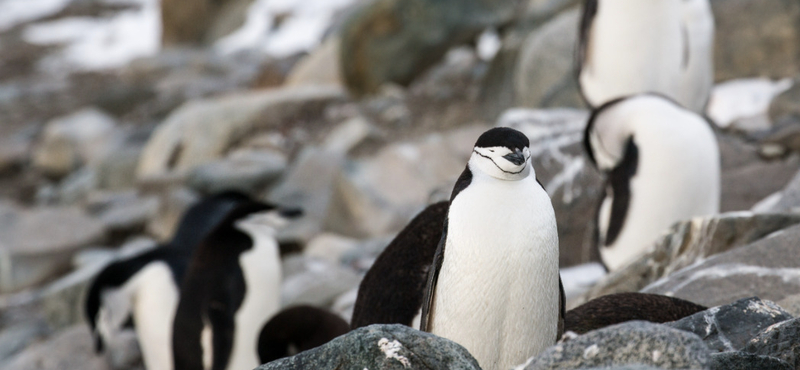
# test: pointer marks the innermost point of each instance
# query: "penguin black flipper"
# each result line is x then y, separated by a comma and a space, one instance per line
562, 308
433, 276
221, 315
619, 182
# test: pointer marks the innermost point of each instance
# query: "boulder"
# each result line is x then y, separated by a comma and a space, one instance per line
320, 67
746, 361
17, 337
788, 200
203, 130
70, 141
781, 340
316, 282
686, 243
768, 268
71, 348
37, 245
396, 40
744, 47
631, 343
247, 171
199, 22
381, 347
728, 328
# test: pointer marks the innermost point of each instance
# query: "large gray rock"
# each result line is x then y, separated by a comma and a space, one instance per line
729, 327
37, 245
71, 348
768, 268
756, 38
785, 108
746, 361
15, 338
686, 243
317, 282
631, 343
394, 41
204, 130
247, 171
781, 340
381, 347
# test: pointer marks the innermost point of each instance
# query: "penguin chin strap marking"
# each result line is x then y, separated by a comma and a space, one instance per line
499, 168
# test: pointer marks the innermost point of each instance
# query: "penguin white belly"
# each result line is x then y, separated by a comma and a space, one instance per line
154, 311
678, 178
497, 293
262, 274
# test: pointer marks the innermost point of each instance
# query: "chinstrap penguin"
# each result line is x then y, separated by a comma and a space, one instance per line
141, 292
618, 308
231, 289
494, 284
297, 329
391, 291
628, 47
662, 165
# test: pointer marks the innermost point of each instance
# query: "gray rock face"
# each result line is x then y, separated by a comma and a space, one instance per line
789, 198
394, 41
768, 268
745, 48
729, 328
631, 343
381, 347
69, 349
781, 340
688, 242
746, 361
37, 245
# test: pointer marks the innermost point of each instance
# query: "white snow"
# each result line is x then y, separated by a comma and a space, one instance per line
742, 99
301, 30
14, 12
100, 43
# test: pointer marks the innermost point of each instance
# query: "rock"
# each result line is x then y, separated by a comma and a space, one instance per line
785, 108
317, 283
117, 171
14, 152
746, 361
321, 67
67, 142
394, 41
247, 171
38, 244
544, 74
688, 242
174, 203
329, 246
788, 199
71, 348
785, 137
17, 337
745, 48
74, 188
556, 137
345, 303
781, 340
742, 104
791, 304
631, 343
728, 328
201, 131
381, 347
129, 215
199, 22
767, 269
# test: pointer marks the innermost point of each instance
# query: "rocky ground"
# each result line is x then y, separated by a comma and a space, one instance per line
99, 162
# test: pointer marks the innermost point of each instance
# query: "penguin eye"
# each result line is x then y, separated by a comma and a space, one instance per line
491, 150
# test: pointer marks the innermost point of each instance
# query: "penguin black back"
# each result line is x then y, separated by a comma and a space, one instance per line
299, 329
201, 218
617, 308
391, 291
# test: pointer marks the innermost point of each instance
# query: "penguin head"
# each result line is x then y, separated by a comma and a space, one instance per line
502, 153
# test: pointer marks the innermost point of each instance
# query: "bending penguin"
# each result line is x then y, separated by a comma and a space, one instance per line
141, 291
662, 165
630, 47
391, 291
231, 289
297, 329
493, 286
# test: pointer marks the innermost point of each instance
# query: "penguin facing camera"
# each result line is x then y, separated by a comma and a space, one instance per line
662, 165
494, 284
297, 329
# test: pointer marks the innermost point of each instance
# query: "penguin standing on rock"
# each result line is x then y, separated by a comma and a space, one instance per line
630, 47
662, 165
494, 285
231, 289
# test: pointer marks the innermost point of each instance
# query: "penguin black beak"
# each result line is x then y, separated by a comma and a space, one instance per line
516, 158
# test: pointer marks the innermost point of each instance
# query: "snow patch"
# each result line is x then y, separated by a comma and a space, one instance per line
15, 12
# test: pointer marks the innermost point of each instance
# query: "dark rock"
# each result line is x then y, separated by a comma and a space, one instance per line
687, 242
631, 343
394, 41
781, 340
381, 347
785, 108
729, 328
618, 308
746, 361
744, 47
767, 269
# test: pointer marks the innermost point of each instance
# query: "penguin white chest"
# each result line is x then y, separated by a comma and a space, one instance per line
497, 292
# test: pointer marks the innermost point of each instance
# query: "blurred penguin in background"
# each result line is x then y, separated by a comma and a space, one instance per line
662, 165
297, 329
140, 292
629, 47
